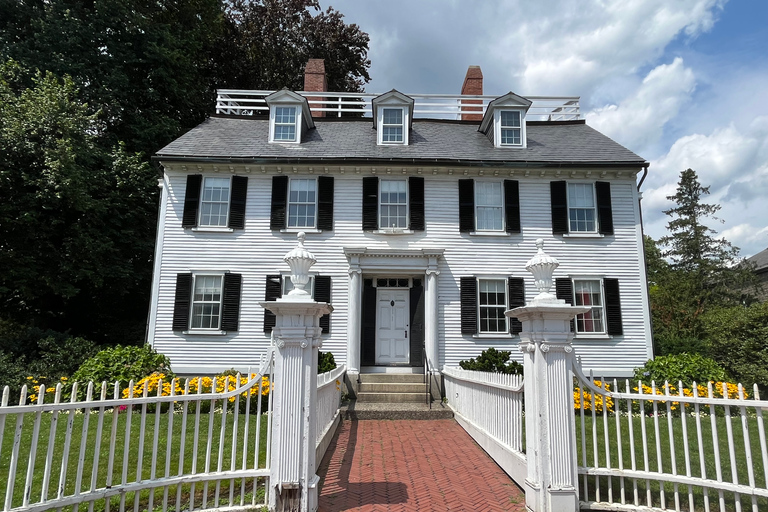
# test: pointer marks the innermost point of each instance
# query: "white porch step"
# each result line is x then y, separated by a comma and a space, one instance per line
392, 387
392, 398
402, 378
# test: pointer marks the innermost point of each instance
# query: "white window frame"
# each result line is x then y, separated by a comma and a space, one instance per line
601, 306
498, 128
594, 207
288, 206
505, 306
273, 123
192, 302
503, 211
404, 125
407, 206
200, 223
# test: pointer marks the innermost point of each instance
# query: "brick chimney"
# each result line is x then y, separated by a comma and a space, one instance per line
473, 85
314, 80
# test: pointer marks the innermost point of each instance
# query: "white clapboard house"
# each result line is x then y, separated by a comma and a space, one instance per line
421, 210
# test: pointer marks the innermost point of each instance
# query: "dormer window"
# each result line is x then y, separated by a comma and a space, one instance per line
504, 121
392, 126
392, 116
289, 117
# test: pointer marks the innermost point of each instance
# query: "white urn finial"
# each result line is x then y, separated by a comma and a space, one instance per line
300, 260
542, 266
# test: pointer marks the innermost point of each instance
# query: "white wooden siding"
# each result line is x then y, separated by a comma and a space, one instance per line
257, 251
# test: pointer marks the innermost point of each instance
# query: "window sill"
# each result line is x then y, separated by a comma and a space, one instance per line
489, 233
299, 230
583, 235
494, 335
394, 232
212, 229
204, 332
591, 336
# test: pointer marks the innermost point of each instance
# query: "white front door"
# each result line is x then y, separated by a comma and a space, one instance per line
392, 312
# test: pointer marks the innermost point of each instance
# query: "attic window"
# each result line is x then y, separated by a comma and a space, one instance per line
392, 116
504, 121
510, 128
289, 117
285, 124
392, 126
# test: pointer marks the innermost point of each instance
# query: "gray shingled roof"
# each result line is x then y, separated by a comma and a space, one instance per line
246, 139
760, 259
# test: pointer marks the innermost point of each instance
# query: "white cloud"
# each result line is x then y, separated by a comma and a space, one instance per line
639, 119
751, 239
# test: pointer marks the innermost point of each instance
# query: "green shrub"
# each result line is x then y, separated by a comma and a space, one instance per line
123, 364
325, 362
687, 368
492, 360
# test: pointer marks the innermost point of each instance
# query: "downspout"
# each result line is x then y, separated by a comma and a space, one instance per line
645, 262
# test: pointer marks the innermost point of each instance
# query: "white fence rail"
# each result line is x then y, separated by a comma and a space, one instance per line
670, 447
490, 407
443, 106
329, 386
202, 446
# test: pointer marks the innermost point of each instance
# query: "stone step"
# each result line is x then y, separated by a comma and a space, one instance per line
356, 410
392, 397
412, 378
392, 387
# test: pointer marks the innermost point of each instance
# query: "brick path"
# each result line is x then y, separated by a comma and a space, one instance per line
402, 465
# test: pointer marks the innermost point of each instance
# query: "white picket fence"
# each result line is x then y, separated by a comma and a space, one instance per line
677, 450
201, 450
490, 407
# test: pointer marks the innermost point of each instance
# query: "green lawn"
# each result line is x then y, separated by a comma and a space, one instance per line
226, 490
664, 452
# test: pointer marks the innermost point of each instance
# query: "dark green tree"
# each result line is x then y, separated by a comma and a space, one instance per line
267, 43
76, 218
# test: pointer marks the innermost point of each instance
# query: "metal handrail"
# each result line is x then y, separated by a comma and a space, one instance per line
427, 375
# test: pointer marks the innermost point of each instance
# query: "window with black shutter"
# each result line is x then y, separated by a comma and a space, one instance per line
559, 201
564, 291
466, 206
181, 304
416, 203
516, 295
237, 202
230, 302
604, 208
191, 200
322, 293
613, 306
207, 302
278, 206
468, 305
272, 291
325, 203
370, 203
512, 205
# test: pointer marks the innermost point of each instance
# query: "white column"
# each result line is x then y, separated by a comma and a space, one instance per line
354, 318
431, 320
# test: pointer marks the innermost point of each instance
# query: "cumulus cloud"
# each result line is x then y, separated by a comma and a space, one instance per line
639, 119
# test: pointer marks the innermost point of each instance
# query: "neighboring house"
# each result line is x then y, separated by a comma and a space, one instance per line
760, 261
421, 227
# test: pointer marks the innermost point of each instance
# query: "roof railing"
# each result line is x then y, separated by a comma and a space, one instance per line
434, 106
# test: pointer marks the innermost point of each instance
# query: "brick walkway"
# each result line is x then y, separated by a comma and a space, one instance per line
402, 465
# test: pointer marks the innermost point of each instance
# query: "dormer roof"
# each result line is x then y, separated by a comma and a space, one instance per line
285, 97
393, 98
509, 100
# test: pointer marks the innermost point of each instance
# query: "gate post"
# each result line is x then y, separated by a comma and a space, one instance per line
292, 480
546, 343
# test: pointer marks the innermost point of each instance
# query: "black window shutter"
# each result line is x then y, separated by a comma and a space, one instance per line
279, 197
468, 305
237, 202
417, 322
512, 205
273, 291
564, 291
559, 197
416, 203
191, 201
516, 288
323, 294
604, 209
368, 325
181, 302
613, 306
325, 203
466, 206
230, 312
370, 204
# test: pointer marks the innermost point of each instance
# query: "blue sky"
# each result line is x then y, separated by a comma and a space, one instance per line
682, 83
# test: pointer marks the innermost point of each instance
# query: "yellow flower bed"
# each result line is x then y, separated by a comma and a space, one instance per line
197, 385
587, 400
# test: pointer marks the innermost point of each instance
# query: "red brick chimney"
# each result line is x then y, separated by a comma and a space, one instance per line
473, 85
314, 80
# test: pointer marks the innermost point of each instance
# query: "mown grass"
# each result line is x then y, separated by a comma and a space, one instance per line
175, 453
666, 454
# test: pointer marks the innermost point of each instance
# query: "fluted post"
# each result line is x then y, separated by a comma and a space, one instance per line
546, 342
293, 482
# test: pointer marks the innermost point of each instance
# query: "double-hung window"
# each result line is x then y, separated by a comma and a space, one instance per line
510, 128
492, 302
582, 214
588, 292
392, 126
214, 204
285, 124
489, 206
206, 302
302, 203
393, 204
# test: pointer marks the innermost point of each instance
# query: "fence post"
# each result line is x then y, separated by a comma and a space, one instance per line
293, 482
546, 342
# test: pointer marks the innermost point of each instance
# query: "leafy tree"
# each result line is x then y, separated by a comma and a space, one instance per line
686, 368
267, 43
492, 360
76, 218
